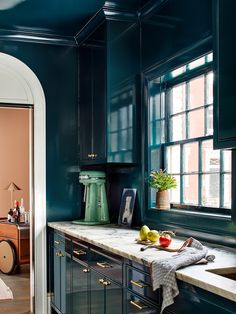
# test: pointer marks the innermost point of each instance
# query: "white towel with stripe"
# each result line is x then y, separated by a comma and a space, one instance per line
163, 271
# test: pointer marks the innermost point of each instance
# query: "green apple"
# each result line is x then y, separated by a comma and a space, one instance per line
153, 235
143, 232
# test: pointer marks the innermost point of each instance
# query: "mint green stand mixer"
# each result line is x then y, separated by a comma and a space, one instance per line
96, 209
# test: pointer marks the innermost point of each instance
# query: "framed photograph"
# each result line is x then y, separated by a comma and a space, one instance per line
127, 207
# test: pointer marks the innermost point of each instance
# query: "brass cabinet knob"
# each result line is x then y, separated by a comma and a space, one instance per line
59, 254
86, 270
104, 282
92, 156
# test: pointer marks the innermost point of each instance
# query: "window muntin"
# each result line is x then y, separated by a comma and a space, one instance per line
181, 136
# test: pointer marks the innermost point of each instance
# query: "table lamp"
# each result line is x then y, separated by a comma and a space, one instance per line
12, 187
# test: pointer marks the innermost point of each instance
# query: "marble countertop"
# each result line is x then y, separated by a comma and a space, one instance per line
122, 242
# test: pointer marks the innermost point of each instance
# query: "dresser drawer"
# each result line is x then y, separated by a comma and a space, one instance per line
80, 252
135, 304
106, 265
140, 283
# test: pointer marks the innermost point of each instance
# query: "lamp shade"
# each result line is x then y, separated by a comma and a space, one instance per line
12, 187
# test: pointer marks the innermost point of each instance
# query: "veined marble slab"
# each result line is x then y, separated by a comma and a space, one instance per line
121, 241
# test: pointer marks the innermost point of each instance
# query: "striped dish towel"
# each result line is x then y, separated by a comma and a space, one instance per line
163, 271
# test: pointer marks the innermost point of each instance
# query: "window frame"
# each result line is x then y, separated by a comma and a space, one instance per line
184, 77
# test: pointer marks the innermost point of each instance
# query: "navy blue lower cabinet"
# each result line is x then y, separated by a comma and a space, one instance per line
60, 272
136, 304
195, 300
106, 296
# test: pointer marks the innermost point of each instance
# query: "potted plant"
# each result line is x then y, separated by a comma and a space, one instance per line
162, 182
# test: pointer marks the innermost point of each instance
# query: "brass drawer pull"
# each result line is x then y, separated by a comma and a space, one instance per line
57, 242
79, 252
60, 254
139, 284
139, 305
104, 265
86, 270
104, 282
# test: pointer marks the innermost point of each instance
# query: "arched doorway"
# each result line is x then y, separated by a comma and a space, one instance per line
27, 80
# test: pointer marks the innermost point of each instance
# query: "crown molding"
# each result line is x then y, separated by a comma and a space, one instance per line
34, 37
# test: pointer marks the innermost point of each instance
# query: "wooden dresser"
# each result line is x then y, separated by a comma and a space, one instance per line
18, 235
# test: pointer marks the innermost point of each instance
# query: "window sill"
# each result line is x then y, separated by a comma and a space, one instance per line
192, 213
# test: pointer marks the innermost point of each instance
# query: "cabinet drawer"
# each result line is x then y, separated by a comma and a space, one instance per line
80, 252
106, 265
140, 283
135, 304
58, 240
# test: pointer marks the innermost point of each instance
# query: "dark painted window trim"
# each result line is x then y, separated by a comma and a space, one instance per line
211, 227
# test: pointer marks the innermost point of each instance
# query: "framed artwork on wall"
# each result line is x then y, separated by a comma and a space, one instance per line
127, 207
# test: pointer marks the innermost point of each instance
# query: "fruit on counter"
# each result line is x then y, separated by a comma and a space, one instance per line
143, 233
153, 235
165, 240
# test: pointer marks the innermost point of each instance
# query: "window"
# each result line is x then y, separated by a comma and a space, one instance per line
180, 122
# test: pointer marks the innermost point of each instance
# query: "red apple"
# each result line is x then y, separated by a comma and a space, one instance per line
165, 240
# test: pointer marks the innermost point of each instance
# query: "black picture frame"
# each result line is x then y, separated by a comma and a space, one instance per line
127, 207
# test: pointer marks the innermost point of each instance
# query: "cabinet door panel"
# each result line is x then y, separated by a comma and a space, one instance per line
97, 293
113, 298
56, 297
65, 283
225, 66
80, 288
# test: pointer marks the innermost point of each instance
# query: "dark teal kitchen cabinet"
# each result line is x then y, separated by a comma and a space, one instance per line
108, 97
122, 91
60, 273
106, 295
92, 98
80, 277
87, 279
224, 70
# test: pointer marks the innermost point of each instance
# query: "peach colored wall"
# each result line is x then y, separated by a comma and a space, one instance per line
14, 155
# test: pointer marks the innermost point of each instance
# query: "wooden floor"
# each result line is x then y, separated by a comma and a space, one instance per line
20, 287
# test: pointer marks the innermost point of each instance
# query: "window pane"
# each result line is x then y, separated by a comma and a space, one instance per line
209, 88
196, 123
155, 108
173, 159
114, 121
155, 159
177, 128
227, 155
178, 71
190, 157
190, 189
175, 193
157, 132
210, 57
177, 98
227, 190
210, 157
196, 63
210, 190
196, 92
209, 120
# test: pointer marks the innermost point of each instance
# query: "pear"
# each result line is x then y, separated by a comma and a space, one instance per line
143, 232
153, 235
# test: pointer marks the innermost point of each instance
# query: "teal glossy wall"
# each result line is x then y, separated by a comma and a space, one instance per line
56, 69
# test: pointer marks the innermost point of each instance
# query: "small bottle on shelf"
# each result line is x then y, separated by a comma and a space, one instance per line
22, 210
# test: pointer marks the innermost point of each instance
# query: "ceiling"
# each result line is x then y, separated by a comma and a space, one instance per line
49, 17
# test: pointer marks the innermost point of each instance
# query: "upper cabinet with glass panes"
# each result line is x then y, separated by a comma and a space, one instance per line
181, 135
